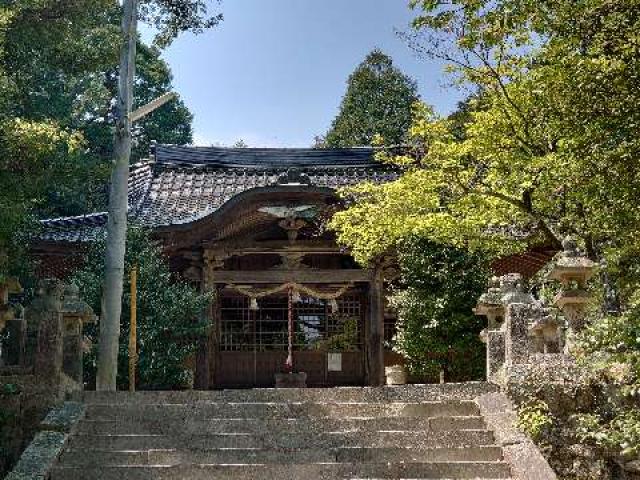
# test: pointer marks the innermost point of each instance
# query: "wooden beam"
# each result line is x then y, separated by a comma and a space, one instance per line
151, 106
273, 246
298, 276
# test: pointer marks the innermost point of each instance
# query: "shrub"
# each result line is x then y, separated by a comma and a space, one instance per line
436, 326
534, 418
168, 312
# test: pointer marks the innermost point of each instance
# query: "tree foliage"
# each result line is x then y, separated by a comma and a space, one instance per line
168, 313
172, 17
171, 123
436, 326
58, 78
36, 149
376, 106
550, 146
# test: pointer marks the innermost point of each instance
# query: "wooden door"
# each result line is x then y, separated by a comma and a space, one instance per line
252, 344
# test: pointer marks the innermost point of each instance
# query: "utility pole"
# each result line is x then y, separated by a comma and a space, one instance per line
133, 329
118, 202
118, 192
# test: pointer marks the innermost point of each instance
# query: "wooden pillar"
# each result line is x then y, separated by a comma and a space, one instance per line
207, 346
374, 347
214, 335
202, 373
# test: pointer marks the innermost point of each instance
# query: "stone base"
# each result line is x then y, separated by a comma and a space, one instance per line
291, 380
396, 375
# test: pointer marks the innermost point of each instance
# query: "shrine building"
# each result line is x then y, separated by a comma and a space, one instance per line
248, 224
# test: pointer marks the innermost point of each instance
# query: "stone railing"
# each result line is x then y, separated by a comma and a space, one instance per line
40, 364
45, 338
521, 331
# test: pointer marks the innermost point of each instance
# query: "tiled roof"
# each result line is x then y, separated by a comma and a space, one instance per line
73, 229
183, 184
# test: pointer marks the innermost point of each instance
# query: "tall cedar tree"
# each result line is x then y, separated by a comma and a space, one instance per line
378, 102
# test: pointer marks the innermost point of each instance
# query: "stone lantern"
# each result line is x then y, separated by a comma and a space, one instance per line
13, 345
490, 304
8, 286
572, 270
520, 307
75, 313
43, 319
544, 332
512, 290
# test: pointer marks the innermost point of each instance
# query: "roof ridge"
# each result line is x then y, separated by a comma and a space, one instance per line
281, 158
244, 149
179, 184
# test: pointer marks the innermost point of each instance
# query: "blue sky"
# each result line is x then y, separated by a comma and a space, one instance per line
274, 71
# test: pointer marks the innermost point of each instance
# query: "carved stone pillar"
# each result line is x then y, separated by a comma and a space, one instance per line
44, 330
519, 307
495, 340
490, 305
14, 342
572, 270
517, 340
75, 314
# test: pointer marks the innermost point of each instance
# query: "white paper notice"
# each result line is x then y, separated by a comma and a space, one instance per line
334, 362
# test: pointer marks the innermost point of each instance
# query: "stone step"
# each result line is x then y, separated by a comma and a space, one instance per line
88, 457
259, 425
408, 393
196, 411
439, 470
454, 438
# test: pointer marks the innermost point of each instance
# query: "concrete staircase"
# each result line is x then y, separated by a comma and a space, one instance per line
389, 432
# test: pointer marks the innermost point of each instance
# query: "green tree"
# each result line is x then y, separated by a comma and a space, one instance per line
609, 348
39, 55
58, 103
169, 312
551, 149
376, 106
436, 327
58, 81
171, 123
